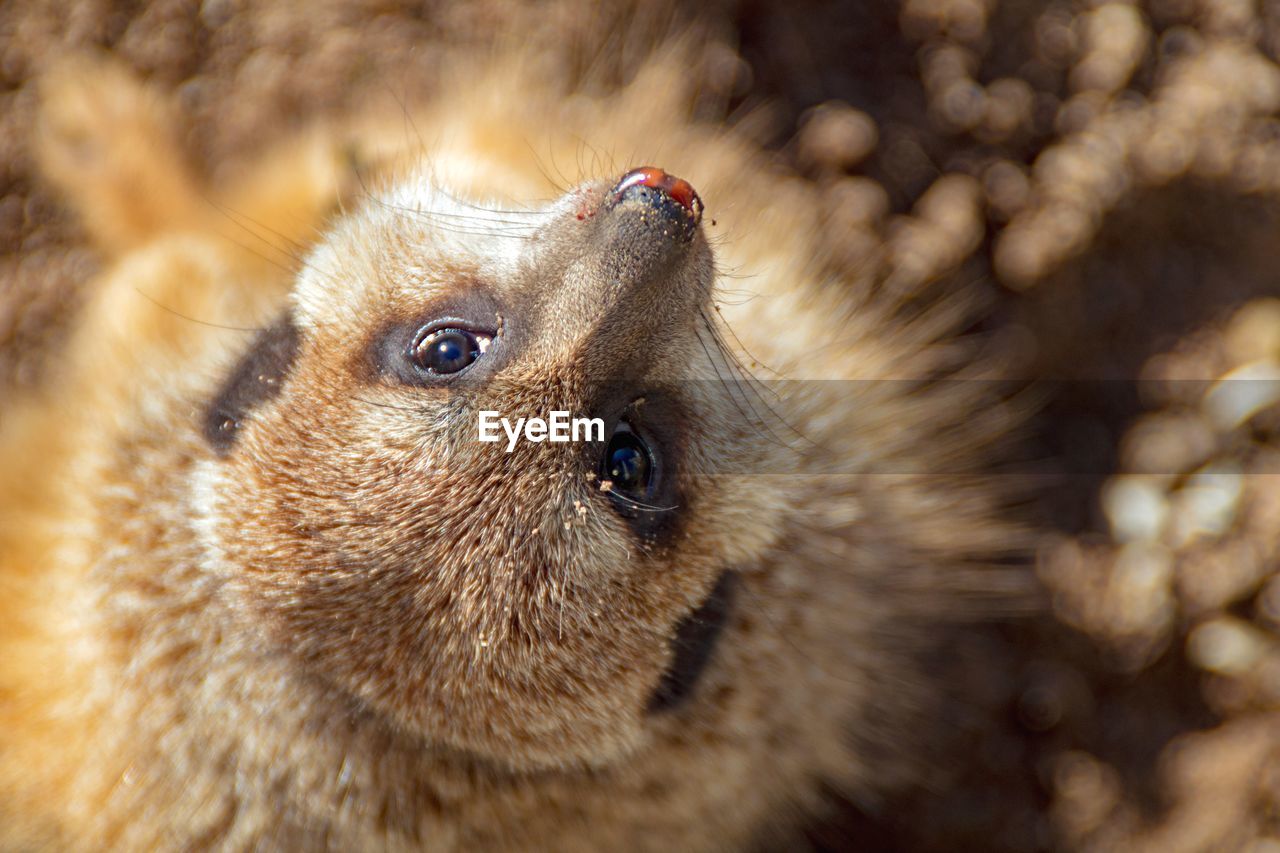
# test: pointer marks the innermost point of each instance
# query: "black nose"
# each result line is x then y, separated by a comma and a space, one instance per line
654, 186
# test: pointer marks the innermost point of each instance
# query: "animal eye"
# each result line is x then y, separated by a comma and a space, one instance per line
628, 464
447, 350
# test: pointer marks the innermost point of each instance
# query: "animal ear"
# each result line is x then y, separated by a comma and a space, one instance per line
693, 645
106, 141
255, 379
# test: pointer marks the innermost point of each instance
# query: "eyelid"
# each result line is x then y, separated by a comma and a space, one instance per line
444, 324
483, 339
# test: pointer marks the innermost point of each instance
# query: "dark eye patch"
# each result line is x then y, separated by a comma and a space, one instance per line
256, 378
646, 435
695, 640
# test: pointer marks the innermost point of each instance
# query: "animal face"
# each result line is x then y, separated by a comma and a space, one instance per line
530, 607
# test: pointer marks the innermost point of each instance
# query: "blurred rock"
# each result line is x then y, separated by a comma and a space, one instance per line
834, 137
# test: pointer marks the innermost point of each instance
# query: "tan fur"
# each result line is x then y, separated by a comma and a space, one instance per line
359, 630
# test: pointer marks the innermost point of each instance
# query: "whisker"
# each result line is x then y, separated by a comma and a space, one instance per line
643, 507
563, 180
176, 313
257, 254
231, 213
415, 409
738, 341
740, 376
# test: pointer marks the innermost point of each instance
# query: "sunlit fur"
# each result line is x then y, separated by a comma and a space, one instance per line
361, 629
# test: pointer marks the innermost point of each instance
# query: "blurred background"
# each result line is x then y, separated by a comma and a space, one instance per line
1107, 171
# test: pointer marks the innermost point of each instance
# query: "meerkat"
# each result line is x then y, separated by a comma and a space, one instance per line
262, 587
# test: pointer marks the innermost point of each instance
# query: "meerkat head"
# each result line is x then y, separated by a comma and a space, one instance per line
527, 602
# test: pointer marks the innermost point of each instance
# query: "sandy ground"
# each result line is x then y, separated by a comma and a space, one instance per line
1111, 169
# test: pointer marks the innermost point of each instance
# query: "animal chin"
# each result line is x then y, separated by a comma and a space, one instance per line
694, 642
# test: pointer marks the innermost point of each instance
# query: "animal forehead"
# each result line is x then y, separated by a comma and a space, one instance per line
416, 241
426, 226
459, 212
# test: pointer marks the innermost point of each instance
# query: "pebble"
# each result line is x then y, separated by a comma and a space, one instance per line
835, 137
1136, 507
1168, 443
1207, 505
1242, 393
1141, 600
1224, 645
1254, 332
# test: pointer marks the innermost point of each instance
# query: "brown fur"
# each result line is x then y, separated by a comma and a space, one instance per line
358, 628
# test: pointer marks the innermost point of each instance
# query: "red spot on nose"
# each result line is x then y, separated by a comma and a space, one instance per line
651, 176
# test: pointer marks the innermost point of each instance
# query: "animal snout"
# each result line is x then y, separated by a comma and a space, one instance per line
673, 196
